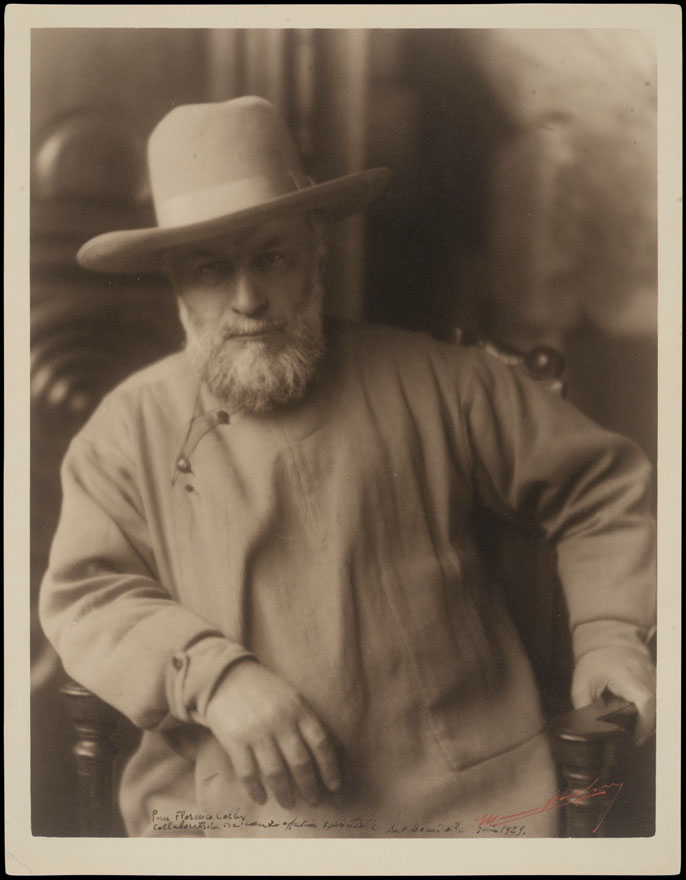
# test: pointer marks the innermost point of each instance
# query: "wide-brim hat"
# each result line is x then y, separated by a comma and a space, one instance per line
219, 167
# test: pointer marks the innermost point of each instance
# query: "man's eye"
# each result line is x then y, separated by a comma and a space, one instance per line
271, 260
207, 274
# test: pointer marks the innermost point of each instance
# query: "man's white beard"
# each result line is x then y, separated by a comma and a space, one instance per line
255, 379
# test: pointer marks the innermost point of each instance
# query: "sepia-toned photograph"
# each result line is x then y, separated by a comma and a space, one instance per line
343, 458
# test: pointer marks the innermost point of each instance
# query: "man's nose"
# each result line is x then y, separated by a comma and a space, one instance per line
248, 299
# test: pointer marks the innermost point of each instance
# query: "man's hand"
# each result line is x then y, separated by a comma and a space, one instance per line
271, 736
624, 672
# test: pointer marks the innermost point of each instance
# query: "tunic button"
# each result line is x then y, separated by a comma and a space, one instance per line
222, 417
184, 465
177, 663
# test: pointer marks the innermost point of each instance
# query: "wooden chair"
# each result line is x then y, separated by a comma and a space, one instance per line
584, 741
583, 744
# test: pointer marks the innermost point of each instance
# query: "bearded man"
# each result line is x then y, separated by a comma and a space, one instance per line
266, 554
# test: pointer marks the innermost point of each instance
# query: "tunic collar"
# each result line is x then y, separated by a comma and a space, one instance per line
207, 415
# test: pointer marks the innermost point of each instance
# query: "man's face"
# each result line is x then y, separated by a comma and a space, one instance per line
251, 308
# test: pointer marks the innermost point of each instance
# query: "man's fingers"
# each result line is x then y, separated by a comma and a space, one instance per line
272, 736
275, 773
628, 674
582, 693
321, 747
302, 766
245, 768
643, 698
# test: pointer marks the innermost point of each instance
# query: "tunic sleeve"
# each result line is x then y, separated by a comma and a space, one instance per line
589, 489
116, 629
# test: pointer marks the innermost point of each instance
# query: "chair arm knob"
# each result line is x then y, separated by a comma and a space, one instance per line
583, 742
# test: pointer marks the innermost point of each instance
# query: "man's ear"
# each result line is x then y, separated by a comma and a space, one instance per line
184, 317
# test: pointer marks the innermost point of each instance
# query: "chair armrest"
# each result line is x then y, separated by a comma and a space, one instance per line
584, 743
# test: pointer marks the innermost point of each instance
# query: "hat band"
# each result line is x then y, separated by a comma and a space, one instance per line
227, 198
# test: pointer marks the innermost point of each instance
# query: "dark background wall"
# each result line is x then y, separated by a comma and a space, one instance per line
522, 207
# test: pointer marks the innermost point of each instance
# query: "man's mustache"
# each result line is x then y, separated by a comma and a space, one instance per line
247, 328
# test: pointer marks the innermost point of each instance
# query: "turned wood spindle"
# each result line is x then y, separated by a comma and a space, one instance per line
94, 753
584, 743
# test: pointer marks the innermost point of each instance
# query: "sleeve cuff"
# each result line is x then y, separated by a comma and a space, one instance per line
193, 674
596, 634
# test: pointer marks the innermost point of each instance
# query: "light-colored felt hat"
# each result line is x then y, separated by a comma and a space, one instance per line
219, 167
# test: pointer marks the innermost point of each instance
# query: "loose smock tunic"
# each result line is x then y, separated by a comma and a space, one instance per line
333, 541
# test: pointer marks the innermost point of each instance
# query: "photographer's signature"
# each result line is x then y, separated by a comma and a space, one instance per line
607, 790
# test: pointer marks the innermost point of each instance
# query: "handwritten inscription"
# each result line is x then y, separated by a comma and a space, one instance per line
502, 830
438, 828
489, 824
236, 819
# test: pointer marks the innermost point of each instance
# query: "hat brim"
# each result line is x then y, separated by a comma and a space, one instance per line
140, 250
